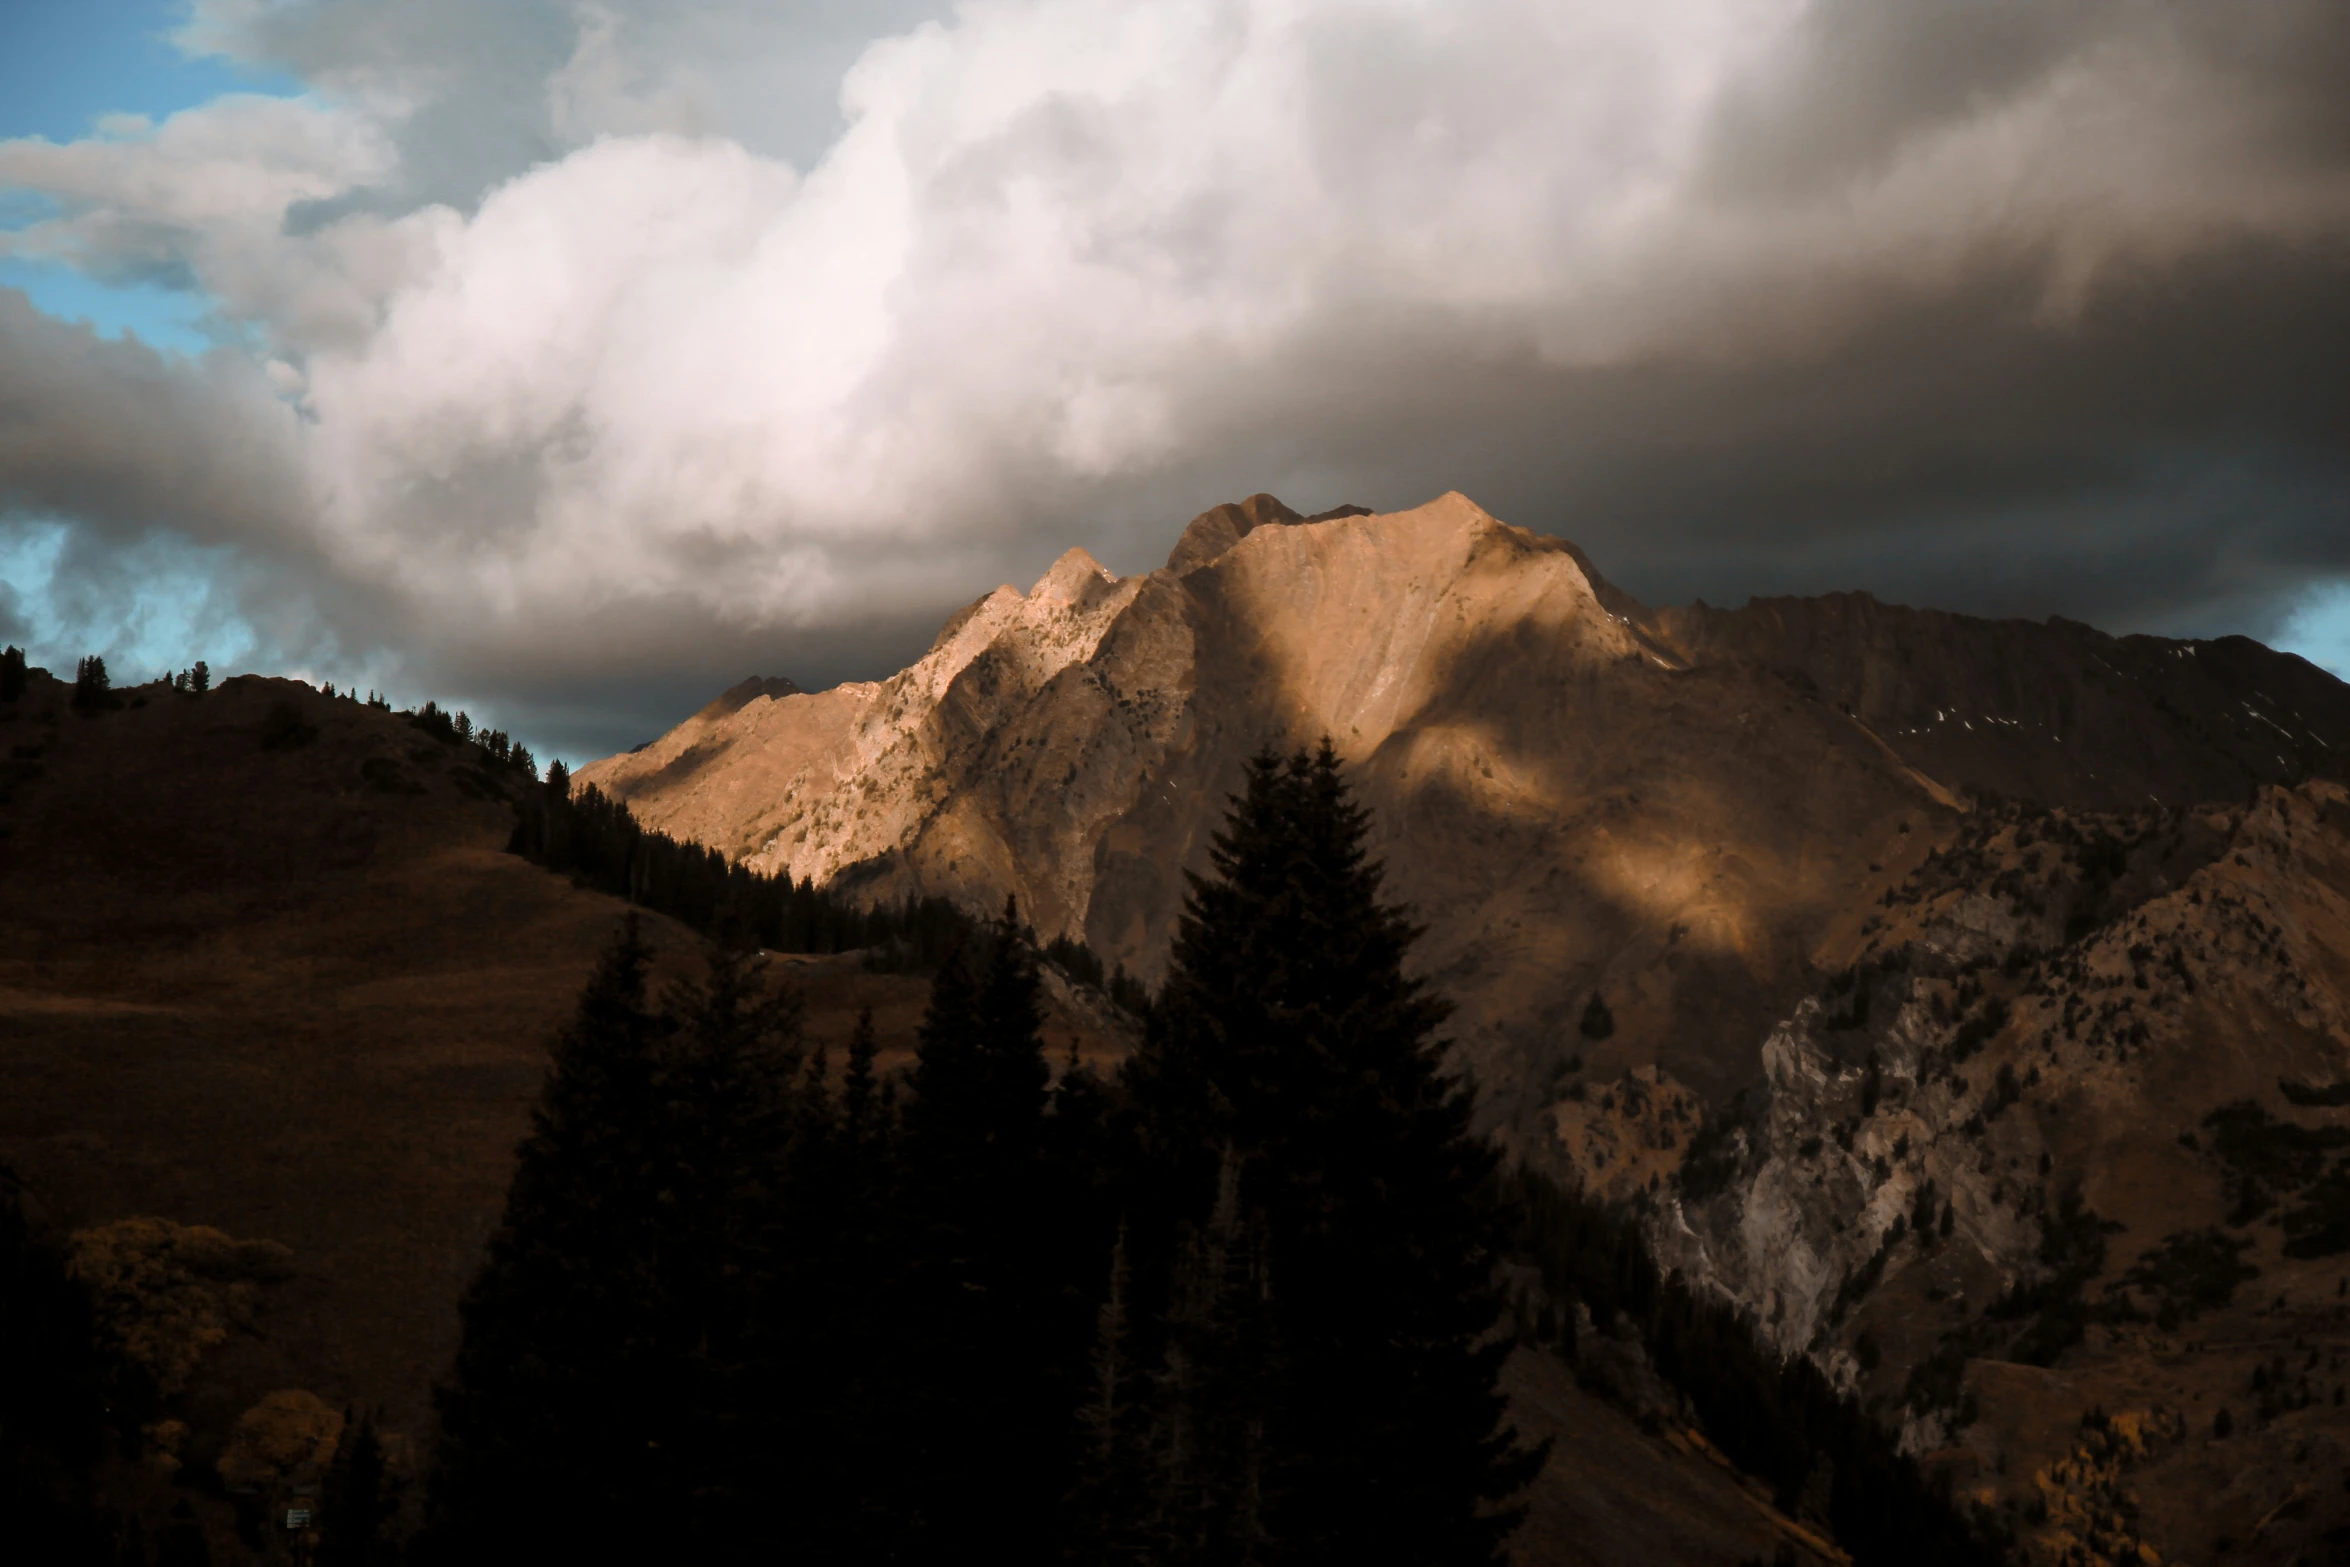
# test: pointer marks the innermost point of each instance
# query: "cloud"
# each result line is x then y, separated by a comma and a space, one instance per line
126, 442
577, 362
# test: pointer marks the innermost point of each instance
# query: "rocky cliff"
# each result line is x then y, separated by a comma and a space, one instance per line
2050, 1173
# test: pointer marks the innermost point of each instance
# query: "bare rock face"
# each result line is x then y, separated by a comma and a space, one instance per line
2069, 1137
1565, 803
1672, 809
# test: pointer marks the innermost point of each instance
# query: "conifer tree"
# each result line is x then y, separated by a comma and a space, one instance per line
1597, 1022
1109, 1504
353, 1502
730, 1063
1288, 1032
838, 1324
91, 687
988, 1349
1216, 1487
617, 1386
553, 1421
200, 678
12, 673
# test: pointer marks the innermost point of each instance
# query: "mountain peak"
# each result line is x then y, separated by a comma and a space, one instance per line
1076, 578
1218, 528
744, 692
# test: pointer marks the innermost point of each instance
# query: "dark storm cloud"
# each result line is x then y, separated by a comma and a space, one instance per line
2174, 459
623, 350
126, 442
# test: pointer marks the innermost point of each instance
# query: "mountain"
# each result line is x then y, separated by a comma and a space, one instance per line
1671, 809
1972, 996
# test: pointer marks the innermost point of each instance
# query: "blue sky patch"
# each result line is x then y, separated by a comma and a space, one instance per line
69, 62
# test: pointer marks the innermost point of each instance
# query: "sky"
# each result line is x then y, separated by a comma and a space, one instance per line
569, 361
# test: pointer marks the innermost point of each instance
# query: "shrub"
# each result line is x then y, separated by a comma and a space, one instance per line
284, 728
1598, 1022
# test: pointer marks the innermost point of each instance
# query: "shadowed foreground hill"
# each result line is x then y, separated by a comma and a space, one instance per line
266, 966
293, 990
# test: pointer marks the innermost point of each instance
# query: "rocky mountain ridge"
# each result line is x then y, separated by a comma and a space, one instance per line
1675, 809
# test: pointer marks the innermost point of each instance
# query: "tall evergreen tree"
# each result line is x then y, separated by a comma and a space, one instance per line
731, 1117
830, 1363
553, 1421
353, 1503
1288, 1032
1110, 1501
993, 1362
615, 1388
602, 1399
13, 673
1216, 1479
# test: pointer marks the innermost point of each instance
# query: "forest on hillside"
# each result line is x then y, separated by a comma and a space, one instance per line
1245, 1301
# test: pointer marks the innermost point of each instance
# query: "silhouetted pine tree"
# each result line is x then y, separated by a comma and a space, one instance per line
353, 1503
1288, 1033
834, 1322
13, 673
563, 1394
1598, 1022
617, 1387
1216, 1483
91, 687
990, 1349
729, 1090
1109, 1507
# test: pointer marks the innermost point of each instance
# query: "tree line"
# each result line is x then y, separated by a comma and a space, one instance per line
499, 746
596, 840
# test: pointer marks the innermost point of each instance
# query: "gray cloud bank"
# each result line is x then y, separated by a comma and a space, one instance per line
580, 359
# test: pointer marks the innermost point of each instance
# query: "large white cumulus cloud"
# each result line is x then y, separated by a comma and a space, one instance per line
660, 371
